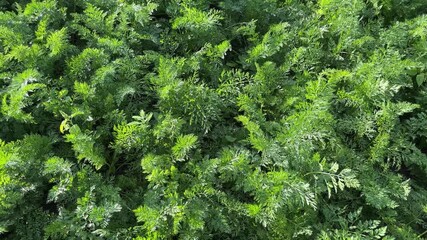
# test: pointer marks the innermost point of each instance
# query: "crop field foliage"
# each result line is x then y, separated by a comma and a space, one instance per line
213, 119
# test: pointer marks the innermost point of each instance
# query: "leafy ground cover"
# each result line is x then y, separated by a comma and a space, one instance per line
210, 119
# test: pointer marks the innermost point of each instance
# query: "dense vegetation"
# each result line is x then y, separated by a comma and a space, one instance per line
213, 119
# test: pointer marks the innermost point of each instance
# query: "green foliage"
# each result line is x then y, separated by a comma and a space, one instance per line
271, 43
247, 119
195, 20
17, 96
183, 145
134, 134
57, 42
84, 147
